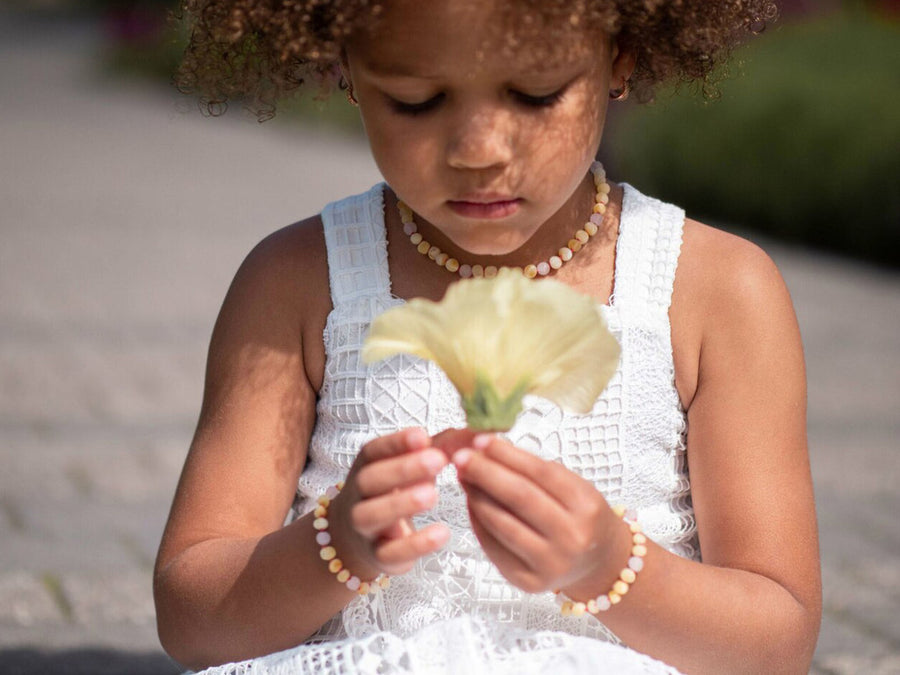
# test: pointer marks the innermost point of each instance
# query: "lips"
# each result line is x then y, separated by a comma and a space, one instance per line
485, 206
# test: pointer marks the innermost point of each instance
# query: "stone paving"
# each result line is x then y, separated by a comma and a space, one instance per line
122, 219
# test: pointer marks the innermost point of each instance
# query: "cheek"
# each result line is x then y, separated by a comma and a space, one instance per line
405, 154
568, 144
388, 149
574, 128
588, 117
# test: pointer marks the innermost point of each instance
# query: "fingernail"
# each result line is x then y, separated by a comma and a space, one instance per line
417, 438
461, 458
433, 461
481, 441
423, 494
438, 536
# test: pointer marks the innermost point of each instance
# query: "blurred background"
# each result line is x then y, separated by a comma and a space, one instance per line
124, 213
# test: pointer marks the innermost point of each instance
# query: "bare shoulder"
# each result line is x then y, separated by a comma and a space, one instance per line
726, 272
727, 291
282, 289
291, 264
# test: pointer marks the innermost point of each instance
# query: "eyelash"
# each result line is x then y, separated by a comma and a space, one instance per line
540, 101
413, 109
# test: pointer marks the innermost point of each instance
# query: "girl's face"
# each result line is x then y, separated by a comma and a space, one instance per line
484, 142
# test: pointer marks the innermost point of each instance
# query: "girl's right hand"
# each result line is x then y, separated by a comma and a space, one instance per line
392, 479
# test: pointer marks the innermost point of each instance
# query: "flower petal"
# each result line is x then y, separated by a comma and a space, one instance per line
513, 333
577, 376
418, 328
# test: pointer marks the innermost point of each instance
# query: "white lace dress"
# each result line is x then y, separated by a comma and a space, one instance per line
454, 612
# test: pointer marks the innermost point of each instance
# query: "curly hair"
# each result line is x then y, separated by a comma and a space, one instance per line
262, 50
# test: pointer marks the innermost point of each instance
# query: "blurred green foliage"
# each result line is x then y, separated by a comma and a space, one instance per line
803, 144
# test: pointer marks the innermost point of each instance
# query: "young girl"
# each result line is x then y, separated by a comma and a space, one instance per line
484, 117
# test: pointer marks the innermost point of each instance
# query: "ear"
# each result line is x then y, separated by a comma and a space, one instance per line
623, 62
344, 65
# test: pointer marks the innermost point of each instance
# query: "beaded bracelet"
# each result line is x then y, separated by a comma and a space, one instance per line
627, 576
328, 553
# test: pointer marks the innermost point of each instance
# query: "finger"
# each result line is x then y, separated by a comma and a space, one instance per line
397, 443
509, 532
397, 529
387, 474
371, 517
556, 480
513, 568
518, 494
451, 440
396, 556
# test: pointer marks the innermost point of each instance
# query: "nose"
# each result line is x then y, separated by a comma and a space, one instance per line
480, 139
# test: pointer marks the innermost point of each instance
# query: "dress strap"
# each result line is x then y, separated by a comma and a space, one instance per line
647, 250
357, 246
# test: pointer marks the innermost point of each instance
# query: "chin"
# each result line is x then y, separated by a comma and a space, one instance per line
492, 248
488, 239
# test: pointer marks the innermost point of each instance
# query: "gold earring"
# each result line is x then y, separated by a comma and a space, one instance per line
620, 94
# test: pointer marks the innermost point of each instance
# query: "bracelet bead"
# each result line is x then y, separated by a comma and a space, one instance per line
627, 576
329, 554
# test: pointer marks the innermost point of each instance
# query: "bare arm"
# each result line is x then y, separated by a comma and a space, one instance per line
230, 582
223, 555
753, 605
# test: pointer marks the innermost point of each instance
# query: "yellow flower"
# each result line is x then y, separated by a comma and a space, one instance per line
499, 339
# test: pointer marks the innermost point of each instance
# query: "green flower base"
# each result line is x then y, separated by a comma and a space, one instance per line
486, 410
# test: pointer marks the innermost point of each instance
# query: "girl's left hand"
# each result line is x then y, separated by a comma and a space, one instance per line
543, 526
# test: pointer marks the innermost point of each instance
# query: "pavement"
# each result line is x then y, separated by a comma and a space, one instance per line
123, 216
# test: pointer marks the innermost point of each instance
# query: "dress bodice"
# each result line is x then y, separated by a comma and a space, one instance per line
631, 446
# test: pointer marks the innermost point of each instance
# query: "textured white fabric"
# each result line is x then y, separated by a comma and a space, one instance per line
454, 611
460, 646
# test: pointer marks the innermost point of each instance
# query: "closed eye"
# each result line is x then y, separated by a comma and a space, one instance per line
539, 101
404, 108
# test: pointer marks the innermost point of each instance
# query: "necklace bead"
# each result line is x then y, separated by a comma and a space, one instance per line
542, 268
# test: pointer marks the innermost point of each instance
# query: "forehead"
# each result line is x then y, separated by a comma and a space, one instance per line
435, 35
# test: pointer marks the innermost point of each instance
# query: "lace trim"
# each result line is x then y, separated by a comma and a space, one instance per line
464, 645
